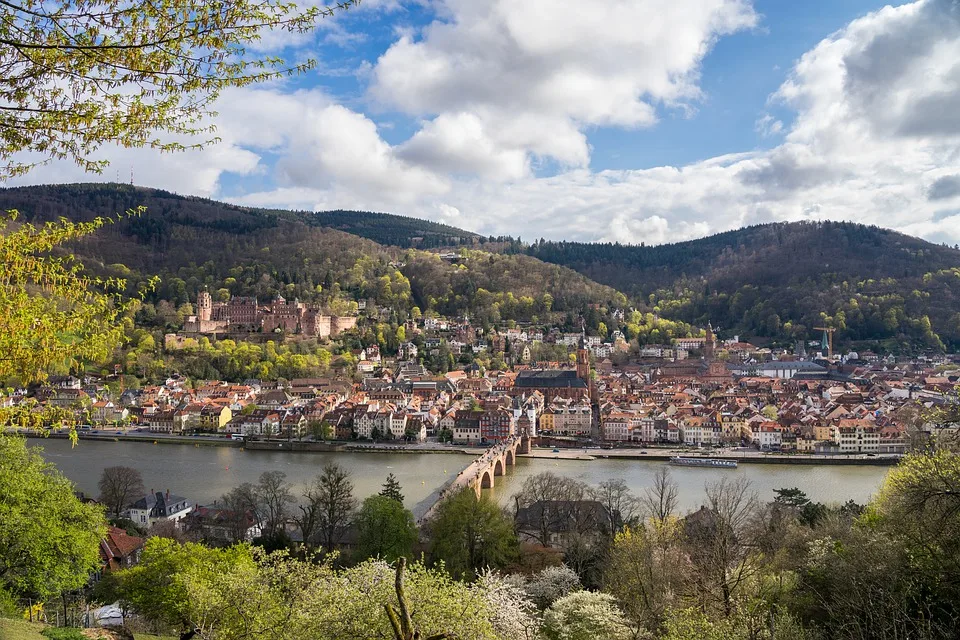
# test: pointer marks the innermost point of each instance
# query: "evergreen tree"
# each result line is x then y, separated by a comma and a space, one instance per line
391, 489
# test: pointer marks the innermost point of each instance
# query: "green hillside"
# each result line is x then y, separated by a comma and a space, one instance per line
195, 244
780, 280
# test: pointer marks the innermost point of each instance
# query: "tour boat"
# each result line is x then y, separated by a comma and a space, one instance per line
716, 463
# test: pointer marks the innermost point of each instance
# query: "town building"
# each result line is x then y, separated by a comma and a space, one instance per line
158, 507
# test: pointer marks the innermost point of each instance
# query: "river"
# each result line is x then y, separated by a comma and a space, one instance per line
203, 474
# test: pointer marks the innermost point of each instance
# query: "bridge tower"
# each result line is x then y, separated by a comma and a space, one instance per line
524, 445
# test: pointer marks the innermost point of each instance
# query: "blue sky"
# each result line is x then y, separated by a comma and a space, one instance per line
629, 120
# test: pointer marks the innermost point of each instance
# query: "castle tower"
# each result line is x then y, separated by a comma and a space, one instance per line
204, 306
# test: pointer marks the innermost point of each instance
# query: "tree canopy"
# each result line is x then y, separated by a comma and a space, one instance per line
77, 74
469, 534
386, 530
53, 317
49, 539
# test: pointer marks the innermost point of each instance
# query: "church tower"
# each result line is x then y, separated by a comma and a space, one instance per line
583, 361
204, 306
709, 344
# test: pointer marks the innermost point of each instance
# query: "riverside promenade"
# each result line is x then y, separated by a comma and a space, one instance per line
741, 455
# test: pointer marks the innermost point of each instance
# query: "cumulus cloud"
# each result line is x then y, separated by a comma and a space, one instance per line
541, 71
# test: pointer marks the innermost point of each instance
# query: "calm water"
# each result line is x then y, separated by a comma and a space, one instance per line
203, 474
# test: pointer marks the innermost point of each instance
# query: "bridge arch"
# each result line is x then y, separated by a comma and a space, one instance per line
498, 467
510, 457
486, 479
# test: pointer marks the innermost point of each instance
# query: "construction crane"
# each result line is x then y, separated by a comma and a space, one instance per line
827, 339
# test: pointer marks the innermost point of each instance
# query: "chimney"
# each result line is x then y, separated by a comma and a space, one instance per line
168, 494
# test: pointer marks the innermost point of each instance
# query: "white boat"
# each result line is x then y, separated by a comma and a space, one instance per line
716, 463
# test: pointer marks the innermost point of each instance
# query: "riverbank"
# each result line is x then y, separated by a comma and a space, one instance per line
147, 438
745, 457
260, 445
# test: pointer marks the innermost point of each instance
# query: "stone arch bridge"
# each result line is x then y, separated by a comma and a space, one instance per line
482, 472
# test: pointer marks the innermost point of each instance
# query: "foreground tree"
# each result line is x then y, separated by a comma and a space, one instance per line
896, 572
551, 584
513, 613
644, 570
81, 73
273, 495
560, 501
119, 487
329, 508
166, 587
659, 502
719, 544
919, 505
387, 530
401, 622
243, 509
392, 489
53, 317
585, 615
469, 534
49, 540
620, 505
243, 593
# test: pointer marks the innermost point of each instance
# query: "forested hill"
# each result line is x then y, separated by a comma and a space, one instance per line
780, 280
195, 244
86, 201
756, 254
777, 281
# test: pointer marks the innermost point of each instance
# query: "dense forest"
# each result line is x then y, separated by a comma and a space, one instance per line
781, 280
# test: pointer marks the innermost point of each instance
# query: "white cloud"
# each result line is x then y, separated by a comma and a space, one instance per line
541, 71
191, 172
766, 125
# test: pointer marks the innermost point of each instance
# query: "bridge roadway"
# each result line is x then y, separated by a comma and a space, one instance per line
480, 473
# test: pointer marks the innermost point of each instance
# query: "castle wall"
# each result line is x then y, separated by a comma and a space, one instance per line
342, 323
241, 314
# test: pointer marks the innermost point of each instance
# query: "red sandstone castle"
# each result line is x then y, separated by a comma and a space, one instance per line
244, 314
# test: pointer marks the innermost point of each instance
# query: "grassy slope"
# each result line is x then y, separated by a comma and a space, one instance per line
23, 630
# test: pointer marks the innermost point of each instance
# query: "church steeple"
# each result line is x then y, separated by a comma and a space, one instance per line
583, 361
709, 344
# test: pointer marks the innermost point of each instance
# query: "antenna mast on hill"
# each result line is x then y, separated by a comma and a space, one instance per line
131, 175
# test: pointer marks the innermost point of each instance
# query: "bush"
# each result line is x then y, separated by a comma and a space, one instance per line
8, 606
551, 584
63, 633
